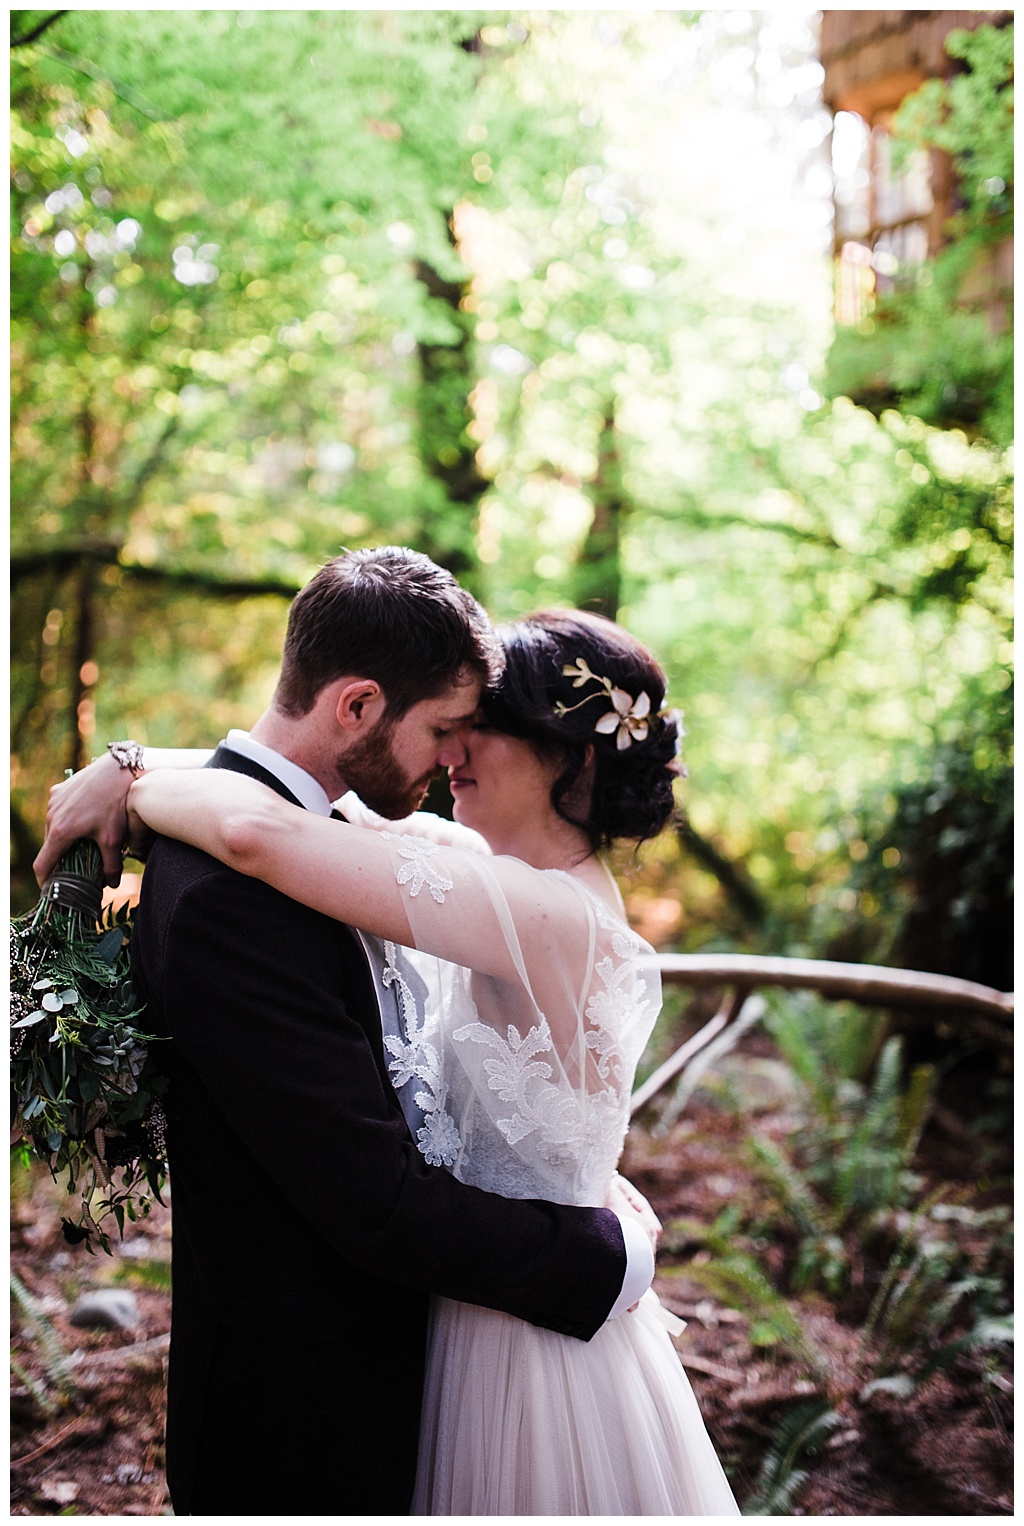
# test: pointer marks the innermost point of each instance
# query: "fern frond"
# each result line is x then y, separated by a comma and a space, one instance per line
912, 1313
801, 1433
34, 1387
795, 1195
739, 1282
906, 1248
51, 1349
791, 1028
915, 1106
868, 1174
984, 1336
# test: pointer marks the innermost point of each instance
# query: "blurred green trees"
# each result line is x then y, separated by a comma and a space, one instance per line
546, 296
940, 346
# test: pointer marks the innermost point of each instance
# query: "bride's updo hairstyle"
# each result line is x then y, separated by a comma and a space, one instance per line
565, 715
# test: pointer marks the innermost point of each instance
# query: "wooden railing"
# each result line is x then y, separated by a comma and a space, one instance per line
869, 984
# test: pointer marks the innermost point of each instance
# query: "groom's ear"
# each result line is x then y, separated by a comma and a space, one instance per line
360, 704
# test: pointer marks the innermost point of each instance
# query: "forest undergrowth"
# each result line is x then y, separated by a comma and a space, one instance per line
847, 1336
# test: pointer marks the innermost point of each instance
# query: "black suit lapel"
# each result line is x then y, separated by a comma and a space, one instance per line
225, 757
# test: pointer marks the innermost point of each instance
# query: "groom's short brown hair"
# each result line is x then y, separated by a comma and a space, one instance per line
390, 614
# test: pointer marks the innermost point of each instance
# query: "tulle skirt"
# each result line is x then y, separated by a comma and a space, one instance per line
521, 1421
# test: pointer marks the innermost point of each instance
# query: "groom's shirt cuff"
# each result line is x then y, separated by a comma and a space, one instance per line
639, 1265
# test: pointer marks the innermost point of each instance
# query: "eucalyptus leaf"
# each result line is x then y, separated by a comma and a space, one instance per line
52, 1002
27, 1022
42, 985
69, 996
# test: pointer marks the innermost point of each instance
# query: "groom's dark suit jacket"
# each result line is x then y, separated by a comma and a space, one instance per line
308, 1229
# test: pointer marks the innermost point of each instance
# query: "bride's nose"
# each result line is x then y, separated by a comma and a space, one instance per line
453, 754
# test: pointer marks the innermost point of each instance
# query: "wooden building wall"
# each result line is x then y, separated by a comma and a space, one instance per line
874, 59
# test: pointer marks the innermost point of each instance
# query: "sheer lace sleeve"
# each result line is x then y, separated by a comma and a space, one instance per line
539, 1001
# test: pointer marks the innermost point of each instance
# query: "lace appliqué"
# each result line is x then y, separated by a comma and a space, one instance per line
520, 1078
570, 1128
418, 871
616, 1011
416, 1058
619, 1009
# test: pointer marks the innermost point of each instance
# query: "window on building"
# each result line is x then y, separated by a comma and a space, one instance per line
882, 212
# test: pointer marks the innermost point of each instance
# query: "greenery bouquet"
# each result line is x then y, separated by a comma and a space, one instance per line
85, 1093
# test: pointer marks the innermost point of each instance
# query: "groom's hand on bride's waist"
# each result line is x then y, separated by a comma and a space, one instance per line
640, 1230
640, 1227
623, 1197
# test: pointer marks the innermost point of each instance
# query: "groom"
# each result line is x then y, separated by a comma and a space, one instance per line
309, 1232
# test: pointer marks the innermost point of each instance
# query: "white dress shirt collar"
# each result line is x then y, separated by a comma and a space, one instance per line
303, 786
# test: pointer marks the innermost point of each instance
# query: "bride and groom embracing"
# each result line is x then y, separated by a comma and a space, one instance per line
400, 1058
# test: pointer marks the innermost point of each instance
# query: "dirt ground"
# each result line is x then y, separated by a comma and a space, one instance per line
101, 1451
945, 1451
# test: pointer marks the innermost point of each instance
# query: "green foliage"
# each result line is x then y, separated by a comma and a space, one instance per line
941, 859
970, 116
799, 1435
927, 348
826, 1043
145, 1273
843, 1189
936, 1301
849, 1164
58, 1387
734, 1277
451, 284
84, 1091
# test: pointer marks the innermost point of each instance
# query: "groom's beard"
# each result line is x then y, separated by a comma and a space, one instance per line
373, 771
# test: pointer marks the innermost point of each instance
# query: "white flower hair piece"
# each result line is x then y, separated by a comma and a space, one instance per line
628, 717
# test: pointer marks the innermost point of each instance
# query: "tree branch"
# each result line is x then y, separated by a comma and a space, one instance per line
63, 558
702, 520
705, 521
733, 881
224, 588
868, 984
93, 71
37, 31
149, 466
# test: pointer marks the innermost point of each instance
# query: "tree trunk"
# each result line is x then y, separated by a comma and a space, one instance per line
598, 571
82, 680
447, 378
733, 880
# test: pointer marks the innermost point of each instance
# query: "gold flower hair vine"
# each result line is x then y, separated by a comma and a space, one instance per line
628, 717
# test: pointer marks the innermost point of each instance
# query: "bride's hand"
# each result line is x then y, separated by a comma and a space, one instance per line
623, 1197
91, 804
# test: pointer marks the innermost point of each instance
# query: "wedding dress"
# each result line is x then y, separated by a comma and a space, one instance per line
525, 1007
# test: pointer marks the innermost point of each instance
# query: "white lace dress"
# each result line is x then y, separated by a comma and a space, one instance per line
520, 1064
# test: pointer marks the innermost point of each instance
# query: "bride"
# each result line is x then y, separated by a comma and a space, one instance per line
517, 1064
